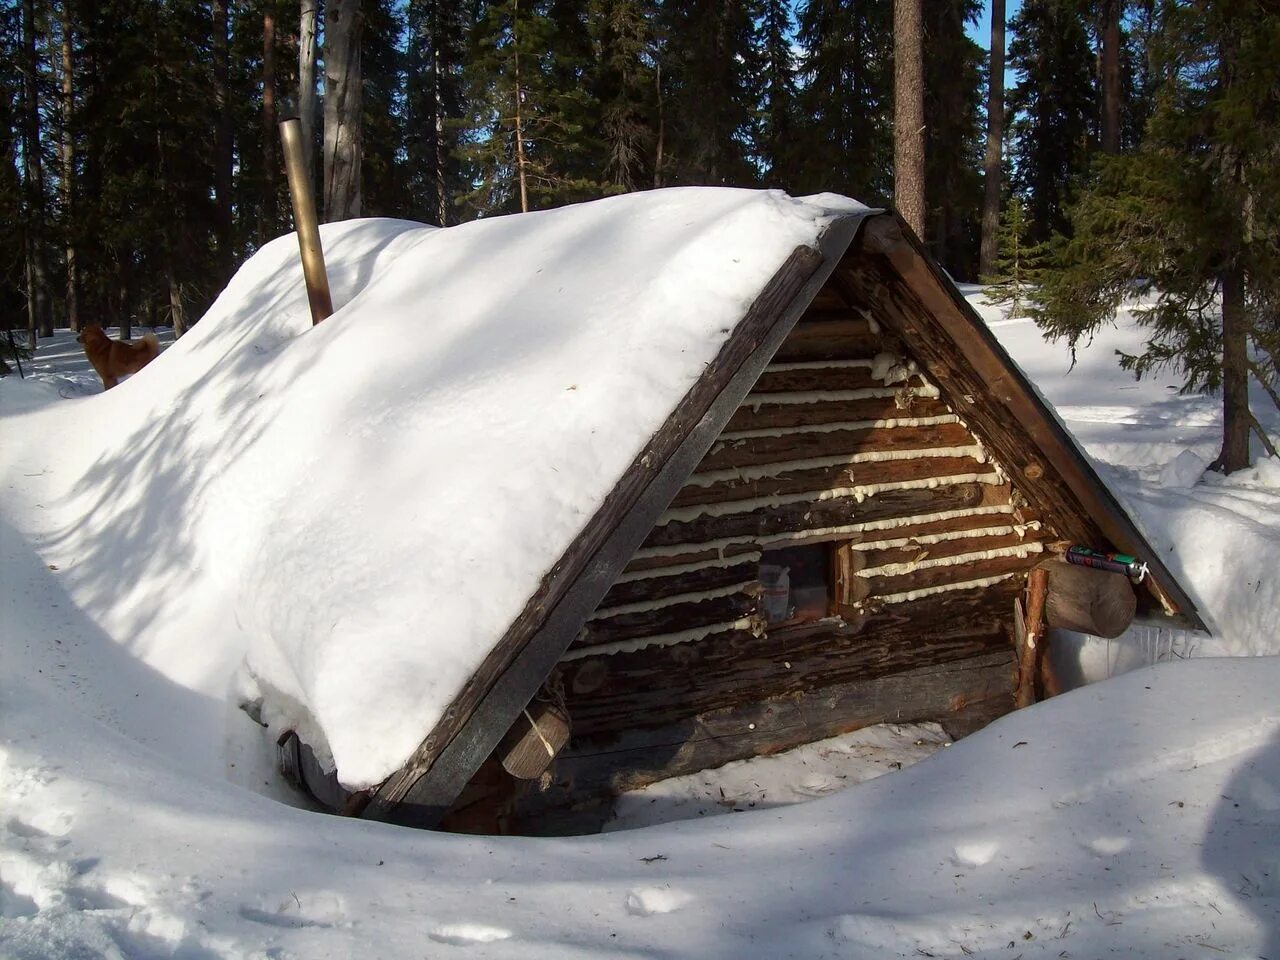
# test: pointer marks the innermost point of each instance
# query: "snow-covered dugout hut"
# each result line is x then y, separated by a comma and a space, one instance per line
728, 472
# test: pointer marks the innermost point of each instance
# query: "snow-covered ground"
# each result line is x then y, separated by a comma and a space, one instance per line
1133, 817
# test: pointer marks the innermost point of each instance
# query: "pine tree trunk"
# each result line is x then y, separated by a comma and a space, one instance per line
342, 110
267, 214
68, 150
1236, 419
908, 113
993, 171
177, 312
222, 146
39, 315
307, 77
1111, 10
662, 127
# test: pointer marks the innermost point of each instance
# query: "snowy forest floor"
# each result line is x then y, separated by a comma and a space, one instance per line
1132, 817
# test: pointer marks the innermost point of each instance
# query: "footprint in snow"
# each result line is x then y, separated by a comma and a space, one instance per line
974, 854
647, 901
465, 934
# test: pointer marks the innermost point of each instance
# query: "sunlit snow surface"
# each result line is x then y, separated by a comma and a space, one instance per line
1134, 817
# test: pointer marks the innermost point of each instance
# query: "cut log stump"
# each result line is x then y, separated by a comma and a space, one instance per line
1087, 600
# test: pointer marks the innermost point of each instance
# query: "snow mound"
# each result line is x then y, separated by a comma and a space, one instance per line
380, 495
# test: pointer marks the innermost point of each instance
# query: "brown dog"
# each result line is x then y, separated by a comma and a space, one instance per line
114, 359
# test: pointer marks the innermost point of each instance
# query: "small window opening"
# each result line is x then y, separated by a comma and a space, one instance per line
797, 583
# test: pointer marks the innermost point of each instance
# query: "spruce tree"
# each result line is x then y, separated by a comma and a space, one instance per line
845, 140
1053, 109
436, 38
1020, 264
527, 110
1190, 219
953, 135
776, 147
712, 72
625, 85
385, 173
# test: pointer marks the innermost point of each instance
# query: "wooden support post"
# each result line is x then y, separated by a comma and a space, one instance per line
1037, 587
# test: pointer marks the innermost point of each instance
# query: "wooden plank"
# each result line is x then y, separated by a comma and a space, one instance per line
733, 668
963, 695
762, 523
818, 480
692, 581
755, 451
783, 416
495, 692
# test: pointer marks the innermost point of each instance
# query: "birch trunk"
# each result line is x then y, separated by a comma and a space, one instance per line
342, 110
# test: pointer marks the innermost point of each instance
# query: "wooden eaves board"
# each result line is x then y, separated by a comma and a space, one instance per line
421, 792
986, 388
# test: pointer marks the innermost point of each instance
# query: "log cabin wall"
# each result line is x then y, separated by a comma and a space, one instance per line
843, 443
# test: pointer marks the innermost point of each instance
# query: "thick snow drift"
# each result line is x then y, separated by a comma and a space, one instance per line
382, 494
143, 548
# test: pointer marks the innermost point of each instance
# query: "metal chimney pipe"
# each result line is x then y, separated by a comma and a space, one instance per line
304, 219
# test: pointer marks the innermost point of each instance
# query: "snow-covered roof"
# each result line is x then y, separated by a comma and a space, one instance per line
489, 389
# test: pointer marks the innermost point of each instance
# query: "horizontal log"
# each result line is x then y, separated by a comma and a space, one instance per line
692, 581
1088, 601
782, 416
745, 549
962, 695
915, 551
673, 618
956, 573
841, 476
829, 340
663, 684
825, 378
762, 523
828, 301
803, 446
